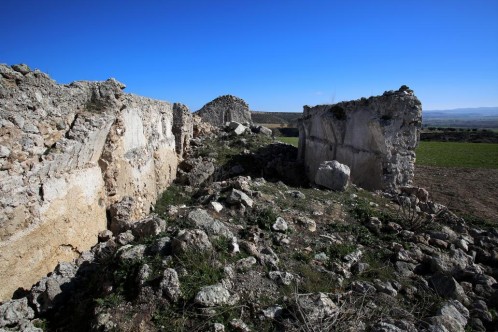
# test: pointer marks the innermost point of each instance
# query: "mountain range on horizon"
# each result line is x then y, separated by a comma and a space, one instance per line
467, 111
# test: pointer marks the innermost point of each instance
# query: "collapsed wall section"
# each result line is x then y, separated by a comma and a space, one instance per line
225, 109
375, 137
67, 152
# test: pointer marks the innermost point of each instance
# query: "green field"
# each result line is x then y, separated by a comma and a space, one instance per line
455, 154
447, 154
289, 140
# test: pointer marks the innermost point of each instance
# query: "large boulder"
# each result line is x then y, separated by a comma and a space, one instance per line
375, 137
333, 175
225, 109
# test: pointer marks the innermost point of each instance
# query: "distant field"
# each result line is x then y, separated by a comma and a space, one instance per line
447, 154
289, 140
455, 154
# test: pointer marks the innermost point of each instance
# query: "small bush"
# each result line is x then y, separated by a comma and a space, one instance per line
264, 218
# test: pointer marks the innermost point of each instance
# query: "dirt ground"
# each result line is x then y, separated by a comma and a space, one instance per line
465, 191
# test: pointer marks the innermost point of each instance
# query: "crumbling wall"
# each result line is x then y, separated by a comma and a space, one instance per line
182, 128
375, 137
225, 109
67, 152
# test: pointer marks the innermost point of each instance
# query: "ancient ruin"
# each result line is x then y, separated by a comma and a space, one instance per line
375, 137
225, 109
68, 152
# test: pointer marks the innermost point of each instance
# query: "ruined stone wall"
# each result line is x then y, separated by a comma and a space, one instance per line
225, 109
67, 152
375, 137
182, 128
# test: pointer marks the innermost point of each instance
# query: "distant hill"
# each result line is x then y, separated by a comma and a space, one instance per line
479, 117
463, 112
284, 119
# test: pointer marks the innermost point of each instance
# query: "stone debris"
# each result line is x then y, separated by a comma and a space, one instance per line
14, 312
314, 308
239, 197
170, 285
283, 278
237, 128
190, 240
201, 219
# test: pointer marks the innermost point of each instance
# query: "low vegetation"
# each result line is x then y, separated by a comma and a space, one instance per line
455, 154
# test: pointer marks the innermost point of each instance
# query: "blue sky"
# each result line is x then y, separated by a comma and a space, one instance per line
277, 55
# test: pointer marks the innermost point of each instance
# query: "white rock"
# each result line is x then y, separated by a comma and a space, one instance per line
214, 295
216, 206
280, 225
4, 151
333, 175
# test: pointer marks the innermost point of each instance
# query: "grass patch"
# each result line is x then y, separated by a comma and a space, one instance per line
289, 140
456, 154
202, 270
264, 218
174, 195
311, 281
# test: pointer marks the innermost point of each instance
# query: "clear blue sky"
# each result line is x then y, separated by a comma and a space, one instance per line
277, 55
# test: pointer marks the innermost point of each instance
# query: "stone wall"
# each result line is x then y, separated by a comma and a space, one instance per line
225, 109
67, 152
375, 137
182, 128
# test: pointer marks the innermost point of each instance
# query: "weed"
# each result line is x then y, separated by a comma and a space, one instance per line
380, 266
410, 218
174, 195
110, 301
302, 256
478, 221
202, 268
338, 251
264, 218
41, 324
311, 281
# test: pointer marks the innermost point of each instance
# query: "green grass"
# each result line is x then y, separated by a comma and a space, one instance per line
289, 140
455, 154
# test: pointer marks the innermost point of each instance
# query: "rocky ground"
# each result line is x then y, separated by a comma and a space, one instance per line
242, 243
